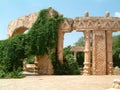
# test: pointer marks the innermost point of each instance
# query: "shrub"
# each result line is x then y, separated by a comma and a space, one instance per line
69, 66
40, 39
30, 59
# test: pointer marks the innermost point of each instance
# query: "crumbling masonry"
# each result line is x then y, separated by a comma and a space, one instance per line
100, 28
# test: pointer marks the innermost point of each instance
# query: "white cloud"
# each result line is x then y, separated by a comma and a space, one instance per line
117, 14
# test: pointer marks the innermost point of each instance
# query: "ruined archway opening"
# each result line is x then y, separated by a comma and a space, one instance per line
80, 60
19, 30
116, 52
76, 41
26, 31
72, 38
28, 63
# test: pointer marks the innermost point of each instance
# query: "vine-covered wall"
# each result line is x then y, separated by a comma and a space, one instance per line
41, 39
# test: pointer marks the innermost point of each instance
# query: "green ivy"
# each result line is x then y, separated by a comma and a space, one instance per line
41, 39
69, 66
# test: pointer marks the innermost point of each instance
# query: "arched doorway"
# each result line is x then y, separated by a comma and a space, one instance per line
75, 40
28, 63
19, 30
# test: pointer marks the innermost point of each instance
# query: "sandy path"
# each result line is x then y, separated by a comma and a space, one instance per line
46, 82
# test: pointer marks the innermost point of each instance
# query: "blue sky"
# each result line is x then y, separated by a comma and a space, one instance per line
12, 9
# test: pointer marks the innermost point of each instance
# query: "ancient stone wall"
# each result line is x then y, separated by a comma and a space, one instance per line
44, 65
21, 24
99, 53
101, 28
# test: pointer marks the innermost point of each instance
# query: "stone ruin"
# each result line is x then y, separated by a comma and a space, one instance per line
116, 84
100, 28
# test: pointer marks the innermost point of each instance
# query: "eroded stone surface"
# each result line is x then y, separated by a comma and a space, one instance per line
116, 84
99, 53
100, 27
21, 24
93, 23
44, 66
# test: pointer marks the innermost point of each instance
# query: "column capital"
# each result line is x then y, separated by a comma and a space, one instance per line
109, 31
87, 31
87, 51
87, 63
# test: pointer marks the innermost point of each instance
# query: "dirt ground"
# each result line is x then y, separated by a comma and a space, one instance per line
52, 82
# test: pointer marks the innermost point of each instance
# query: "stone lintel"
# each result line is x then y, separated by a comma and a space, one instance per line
66, 25
93, 29
77, 49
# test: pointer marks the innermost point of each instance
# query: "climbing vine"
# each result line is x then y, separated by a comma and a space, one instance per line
41, 39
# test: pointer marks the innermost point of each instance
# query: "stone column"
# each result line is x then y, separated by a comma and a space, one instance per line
109, 53
43, 65
24, 65
87, 54
99, 52
36, 64
60, 45
75, 55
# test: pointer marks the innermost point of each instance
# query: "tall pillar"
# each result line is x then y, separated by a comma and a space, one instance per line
87, 54
99, 52
109, 53
43, 65
75, 55
36, 62
60, 45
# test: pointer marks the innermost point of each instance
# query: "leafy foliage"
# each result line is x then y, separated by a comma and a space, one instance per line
80, 58
69, 67
115, 46
30, 59
41, 39
11, 56
80, 55
80, 42
116, 50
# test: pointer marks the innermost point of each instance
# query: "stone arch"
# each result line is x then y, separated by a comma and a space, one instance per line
19, 30
21, 24
100, 27
42, 63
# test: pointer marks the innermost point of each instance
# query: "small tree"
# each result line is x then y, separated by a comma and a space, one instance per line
80, 42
